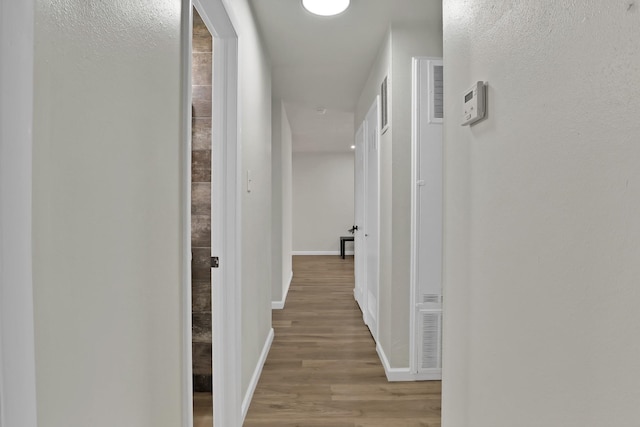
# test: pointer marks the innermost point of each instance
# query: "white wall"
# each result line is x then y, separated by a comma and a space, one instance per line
17, 365
380, 69
287, 201
395, 55
322, 200
407, 41
107, 221
542, 225
255, 140
281, 213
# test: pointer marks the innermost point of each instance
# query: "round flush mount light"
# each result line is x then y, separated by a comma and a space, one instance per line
353, 147
326, 7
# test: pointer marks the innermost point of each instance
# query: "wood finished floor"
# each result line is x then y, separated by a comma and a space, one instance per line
202, 410
323, 369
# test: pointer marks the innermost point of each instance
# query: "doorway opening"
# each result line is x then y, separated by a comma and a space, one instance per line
201, 186
211, 158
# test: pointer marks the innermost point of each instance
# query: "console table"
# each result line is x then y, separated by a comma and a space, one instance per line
344, 239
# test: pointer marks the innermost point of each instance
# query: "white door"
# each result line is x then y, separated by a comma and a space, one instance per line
225, 227
372, 217
427, 201
359, 245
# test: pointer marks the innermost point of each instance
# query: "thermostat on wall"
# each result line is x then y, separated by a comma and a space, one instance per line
474, 107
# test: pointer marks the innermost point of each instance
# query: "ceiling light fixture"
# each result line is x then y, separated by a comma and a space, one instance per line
353, 147
326, 7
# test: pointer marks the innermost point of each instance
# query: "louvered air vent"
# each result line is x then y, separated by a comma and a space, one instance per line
438, 92
430, 340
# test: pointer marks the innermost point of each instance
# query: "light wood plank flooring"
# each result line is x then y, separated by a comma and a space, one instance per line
323, 370
202, 410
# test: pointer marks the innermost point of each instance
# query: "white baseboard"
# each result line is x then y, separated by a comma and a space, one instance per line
256, 375
405, 374
321, 253
279, 305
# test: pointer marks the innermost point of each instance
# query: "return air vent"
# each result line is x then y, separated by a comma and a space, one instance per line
436, 91
431, 340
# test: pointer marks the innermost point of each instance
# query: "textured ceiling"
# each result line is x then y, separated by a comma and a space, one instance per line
325, 61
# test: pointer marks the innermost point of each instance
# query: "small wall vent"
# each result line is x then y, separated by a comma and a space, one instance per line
436, 91
430, 340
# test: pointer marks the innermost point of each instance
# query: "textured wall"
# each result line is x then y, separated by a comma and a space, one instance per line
202, 65
107, 222
541, 215
255, 140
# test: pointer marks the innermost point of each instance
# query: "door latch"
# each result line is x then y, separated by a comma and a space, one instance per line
215, 262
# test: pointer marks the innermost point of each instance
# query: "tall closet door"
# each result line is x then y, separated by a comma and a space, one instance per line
372, 217
359, 244
427, 221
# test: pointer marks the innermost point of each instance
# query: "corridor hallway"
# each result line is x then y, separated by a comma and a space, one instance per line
323, 370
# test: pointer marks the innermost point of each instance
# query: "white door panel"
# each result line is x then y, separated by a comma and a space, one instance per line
372, 216
359, 244
427, 224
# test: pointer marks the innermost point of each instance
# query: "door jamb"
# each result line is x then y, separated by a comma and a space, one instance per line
186, 62
17, 343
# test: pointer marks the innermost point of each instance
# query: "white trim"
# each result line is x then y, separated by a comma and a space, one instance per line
226, 202
279, 305
321, 253
415, 123
226, 343
17, 354
405, 374
246, 402
379, 209
187, 368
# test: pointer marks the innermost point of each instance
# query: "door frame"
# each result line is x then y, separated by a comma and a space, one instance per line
419, 63
226, 209
375, 107
17, 352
